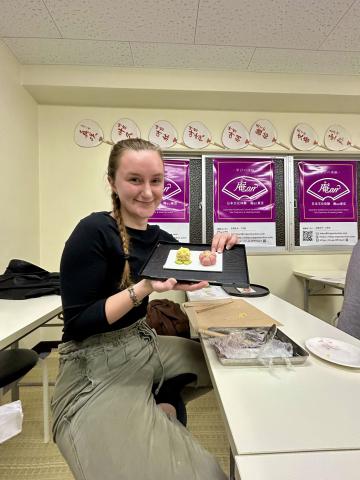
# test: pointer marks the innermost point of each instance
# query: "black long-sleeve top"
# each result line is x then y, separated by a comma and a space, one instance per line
91, 269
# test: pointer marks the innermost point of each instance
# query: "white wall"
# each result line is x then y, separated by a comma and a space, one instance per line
73, 184
19, 186
19, 178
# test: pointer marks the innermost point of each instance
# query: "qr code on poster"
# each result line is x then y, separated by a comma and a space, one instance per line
307, 235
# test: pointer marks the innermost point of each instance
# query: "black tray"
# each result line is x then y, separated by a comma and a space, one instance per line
235, 268
299, 354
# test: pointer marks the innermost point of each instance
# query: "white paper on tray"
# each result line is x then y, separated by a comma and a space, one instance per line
245, 290
212, 292
195, 262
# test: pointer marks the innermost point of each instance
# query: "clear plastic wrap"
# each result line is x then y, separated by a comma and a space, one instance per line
250, 344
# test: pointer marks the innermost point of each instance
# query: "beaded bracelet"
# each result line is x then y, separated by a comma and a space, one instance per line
136, 302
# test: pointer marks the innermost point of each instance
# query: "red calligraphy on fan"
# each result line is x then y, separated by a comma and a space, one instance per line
302, 136
194, 132
89, 134
261, 131
158, 130
232, 132
123, 129
334, 137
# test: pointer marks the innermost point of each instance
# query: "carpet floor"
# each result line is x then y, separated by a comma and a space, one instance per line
26, 457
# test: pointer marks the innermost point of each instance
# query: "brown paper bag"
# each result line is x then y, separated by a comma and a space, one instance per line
226, 313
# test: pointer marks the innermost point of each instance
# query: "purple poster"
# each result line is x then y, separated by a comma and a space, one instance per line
327, 191
244, 190
174, 206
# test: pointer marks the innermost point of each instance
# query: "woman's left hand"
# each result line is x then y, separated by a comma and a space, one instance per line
223, 240
171, 284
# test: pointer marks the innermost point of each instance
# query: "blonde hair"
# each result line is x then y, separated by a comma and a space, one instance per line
118, 150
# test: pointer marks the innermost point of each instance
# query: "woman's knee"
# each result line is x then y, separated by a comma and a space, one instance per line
180, 355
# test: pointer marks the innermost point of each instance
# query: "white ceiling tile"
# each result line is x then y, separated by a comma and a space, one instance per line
26, 18
268, 23
168, 21
70, 52
305, 61
291, 36
346, 35
191, 56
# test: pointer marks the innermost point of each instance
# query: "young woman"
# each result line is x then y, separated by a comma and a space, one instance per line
106, 422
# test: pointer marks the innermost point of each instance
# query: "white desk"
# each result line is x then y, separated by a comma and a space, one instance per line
329, 278
18, 318
299, 466
312, 407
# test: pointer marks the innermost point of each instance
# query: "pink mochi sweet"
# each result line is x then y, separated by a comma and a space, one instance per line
207, 258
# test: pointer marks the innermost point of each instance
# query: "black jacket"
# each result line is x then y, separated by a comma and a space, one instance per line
22, 279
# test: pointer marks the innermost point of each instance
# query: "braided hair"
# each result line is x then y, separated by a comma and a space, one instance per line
118, 150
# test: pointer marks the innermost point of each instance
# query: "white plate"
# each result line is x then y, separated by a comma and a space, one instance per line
195, 262
334, 351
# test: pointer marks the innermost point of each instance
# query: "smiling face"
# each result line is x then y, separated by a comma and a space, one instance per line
139, 183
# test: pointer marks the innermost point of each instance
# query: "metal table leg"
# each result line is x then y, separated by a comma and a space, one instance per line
306, 282
232, 466
15, 385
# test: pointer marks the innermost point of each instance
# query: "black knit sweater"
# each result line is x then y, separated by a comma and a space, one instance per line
91, 268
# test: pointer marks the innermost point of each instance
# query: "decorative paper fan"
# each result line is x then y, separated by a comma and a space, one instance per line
163, 134
123, 129
337, 138
196, 135
263, 134
304, 137
88, 133
235, 136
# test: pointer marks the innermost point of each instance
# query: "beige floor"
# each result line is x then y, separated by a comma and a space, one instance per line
26, 457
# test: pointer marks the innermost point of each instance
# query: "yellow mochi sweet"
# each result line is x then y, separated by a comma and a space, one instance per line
183, 256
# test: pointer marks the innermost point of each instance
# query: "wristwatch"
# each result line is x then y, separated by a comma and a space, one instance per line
136, 302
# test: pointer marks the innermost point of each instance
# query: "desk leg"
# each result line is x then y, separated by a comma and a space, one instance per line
15, 386
306, 294
232, 466
15, 392
45, 383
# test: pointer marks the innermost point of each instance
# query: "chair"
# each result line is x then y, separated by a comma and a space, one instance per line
349, 318
14, 364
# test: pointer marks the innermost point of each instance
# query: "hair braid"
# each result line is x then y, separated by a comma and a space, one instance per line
125, 240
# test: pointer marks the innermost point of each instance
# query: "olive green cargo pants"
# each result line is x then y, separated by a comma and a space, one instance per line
105, 420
